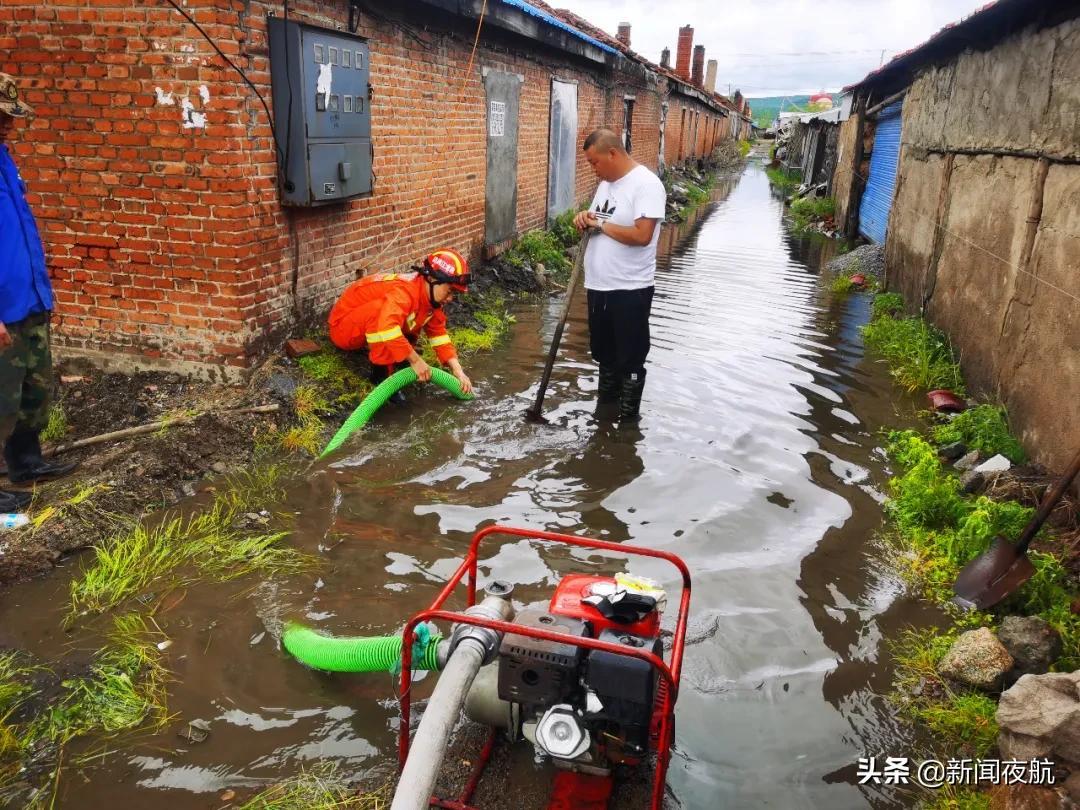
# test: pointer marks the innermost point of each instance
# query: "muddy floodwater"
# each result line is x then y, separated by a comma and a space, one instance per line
757, 461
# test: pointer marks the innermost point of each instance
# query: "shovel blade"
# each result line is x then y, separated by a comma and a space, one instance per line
992, 576
533, 415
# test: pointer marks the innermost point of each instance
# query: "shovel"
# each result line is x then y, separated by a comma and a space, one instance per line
534, 414
1002, 569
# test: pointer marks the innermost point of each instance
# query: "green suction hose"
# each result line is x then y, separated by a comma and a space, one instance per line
383, 391
375, 654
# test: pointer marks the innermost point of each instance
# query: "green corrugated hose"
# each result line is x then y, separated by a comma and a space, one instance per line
375, 654
383, 391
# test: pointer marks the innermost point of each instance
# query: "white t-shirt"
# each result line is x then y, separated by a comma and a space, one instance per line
611, 265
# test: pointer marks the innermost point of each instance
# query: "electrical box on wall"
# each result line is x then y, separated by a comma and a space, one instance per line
322, 113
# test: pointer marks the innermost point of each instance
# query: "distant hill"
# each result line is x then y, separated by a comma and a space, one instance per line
764, 109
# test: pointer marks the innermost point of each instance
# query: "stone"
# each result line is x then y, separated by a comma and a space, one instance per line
219, 467
972, 482
1040, 717
953, 451
298, 347
968, 461
977, 659
1032, 642
281, 386
1023, 797
994, 464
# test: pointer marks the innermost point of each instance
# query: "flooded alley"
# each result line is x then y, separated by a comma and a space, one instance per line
756, 460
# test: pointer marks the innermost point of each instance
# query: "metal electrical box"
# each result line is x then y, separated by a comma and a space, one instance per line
322, 113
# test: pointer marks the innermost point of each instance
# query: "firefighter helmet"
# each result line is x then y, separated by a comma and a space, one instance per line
447, 266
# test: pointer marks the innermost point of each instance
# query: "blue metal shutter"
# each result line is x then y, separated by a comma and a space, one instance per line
878, 197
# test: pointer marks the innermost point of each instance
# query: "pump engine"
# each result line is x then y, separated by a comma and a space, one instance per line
584, 709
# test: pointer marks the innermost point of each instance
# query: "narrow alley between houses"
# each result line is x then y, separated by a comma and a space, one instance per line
755, 461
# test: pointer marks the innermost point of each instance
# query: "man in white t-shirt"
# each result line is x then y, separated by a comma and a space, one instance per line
620, 266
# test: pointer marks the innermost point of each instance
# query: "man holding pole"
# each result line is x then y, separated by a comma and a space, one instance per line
620, 266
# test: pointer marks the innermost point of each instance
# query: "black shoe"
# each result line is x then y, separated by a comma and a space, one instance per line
397, 398
24, 462
633, 385
14, 501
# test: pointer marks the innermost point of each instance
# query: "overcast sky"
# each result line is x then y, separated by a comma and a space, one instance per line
779, 47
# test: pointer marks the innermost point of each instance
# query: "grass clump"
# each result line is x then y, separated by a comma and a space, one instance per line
744, 148
339, 383
321, 788
785, 180
212, 542
920, 356
57, 426
538, 247
984, 428
842, 285
888, 304
808, 210
126, 687
956, 797
961, 721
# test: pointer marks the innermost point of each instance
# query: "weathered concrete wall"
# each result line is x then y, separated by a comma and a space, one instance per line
960, 246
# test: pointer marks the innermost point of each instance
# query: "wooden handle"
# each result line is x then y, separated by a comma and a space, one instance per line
1049, 501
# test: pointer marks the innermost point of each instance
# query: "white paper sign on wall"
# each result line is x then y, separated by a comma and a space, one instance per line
497, 120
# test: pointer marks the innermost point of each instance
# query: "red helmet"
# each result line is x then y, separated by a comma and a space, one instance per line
447, 266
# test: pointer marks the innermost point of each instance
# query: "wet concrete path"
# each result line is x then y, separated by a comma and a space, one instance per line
756, 461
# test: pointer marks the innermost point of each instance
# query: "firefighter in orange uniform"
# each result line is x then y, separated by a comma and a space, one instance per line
386, 312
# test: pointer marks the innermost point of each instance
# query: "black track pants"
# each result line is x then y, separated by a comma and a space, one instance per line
619, 328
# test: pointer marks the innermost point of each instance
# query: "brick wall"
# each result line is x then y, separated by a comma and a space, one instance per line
152, 170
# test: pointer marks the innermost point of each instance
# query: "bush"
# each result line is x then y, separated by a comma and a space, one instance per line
562, 228
984, 428
887, 305
807, 210
744, 148
783, 179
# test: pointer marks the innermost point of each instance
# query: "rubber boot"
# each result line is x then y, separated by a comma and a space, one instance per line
14, 501
25, 463
633, 385
608, 392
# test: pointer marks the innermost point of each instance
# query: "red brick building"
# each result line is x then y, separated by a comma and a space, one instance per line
153, 170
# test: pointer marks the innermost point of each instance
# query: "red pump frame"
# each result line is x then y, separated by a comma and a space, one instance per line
669, 673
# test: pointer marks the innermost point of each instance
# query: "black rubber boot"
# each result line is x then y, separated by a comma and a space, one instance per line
633, 385
607, 393
24, 462
14, 501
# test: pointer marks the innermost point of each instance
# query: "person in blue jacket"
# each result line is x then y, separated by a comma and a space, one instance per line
25, 305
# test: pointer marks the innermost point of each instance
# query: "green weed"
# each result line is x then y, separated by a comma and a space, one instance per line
305, 437
341, 386
57, 427
842, 285
807, 210
960, 721
125, 689
744, 148
920, 356
538, 247
321, 788
784, 179
956, 797
984, 428
888, 304
562, 228
146, 555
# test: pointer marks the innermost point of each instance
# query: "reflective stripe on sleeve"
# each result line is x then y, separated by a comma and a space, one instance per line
441, 340
384, 336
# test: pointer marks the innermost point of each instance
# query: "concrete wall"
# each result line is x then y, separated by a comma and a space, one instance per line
990, 140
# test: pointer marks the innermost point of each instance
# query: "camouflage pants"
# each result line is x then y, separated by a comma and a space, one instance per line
26, 376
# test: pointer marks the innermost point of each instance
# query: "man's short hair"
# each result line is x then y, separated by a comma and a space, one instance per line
603, 139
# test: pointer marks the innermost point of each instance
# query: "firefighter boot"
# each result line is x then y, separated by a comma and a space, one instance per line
633, 384
24, 462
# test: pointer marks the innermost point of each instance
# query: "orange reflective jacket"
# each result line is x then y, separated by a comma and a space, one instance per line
379, 311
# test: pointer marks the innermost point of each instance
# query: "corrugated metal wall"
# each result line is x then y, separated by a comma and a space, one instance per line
878, 197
